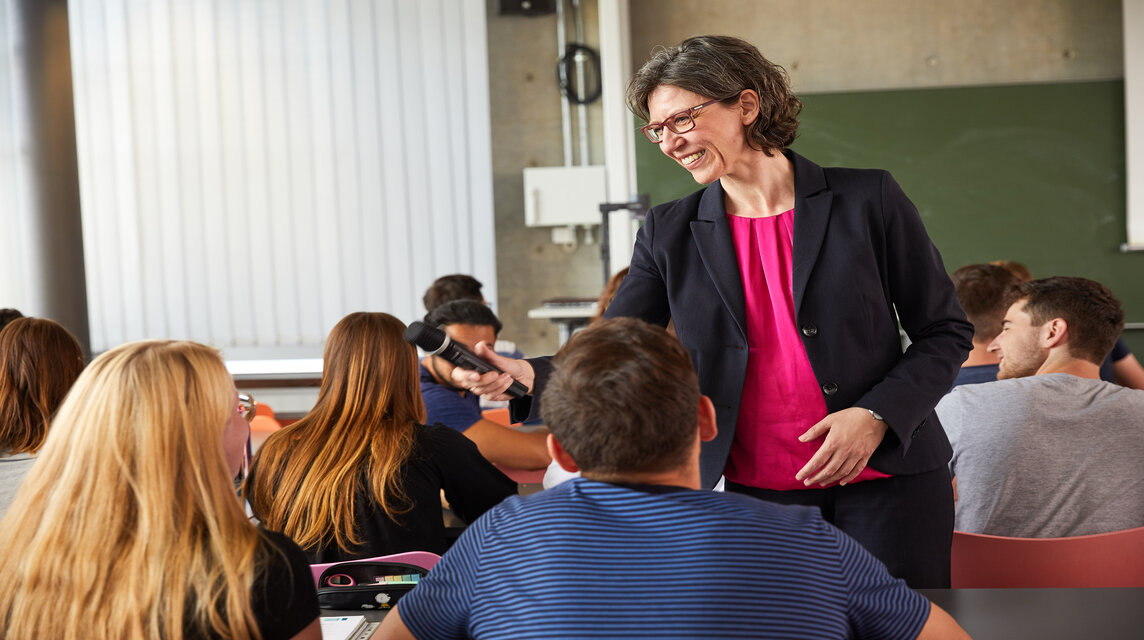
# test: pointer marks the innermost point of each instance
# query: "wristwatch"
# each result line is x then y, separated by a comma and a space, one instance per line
876, 416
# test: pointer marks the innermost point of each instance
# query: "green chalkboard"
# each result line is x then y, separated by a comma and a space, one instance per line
1033, 173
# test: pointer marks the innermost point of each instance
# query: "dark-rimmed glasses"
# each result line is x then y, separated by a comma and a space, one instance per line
681, 122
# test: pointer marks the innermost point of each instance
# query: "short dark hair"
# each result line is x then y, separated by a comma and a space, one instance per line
721, 67
982, 290
457, 286
463, 312
1093, 314
1016, 268
623, 397
8, 315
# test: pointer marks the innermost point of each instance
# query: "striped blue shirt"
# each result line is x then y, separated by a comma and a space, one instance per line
589, 559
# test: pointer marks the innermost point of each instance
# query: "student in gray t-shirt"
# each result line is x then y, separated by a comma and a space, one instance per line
1049, 450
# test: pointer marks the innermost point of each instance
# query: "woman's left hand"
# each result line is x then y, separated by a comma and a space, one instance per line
851, 437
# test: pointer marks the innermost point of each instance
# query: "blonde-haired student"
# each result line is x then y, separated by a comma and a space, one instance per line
128, 525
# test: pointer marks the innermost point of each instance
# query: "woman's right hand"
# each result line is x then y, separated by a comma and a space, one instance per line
492, 385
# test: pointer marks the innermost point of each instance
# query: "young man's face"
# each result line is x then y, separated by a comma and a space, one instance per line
1019, 344
470, 334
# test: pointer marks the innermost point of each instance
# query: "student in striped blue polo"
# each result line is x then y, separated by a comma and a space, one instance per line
634, 548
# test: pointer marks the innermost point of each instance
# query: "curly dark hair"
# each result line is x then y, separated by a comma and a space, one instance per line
723, 67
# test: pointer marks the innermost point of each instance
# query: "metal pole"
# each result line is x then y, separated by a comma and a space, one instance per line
45, 210
581, 109
565, 113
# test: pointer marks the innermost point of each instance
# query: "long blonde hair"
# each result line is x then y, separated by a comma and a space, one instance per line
128, 525
305, 477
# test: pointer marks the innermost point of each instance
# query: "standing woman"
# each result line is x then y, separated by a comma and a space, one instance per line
359, 476
39, 362
783, 278
128, 526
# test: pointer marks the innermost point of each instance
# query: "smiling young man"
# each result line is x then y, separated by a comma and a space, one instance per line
1049, 450
468, 322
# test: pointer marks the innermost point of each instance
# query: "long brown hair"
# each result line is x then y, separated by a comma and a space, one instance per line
128, 525
305, 477
39, 362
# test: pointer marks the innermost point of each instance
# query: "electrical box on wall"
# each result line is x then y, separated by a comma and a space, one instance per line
558, 196
526, 7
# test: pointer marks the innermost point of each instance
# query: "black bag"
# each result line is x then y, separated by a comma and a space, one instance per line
366, 584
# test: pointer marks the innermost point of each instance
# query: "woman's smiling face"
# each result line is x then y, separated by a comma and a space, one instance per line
717, 144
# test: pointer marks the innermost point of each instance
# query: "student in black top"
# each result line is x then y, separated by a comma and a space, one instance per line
360, 476
128, 526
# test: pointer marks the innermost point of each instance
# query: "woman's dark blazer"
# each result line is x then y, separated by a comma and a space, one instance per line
860, 252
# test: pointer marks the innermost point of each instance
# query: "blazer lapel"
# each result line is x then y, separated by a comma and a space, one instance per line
812, 201
717, 250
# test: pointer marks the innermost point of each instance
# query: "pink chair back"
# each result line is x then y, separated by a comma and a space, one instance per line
424, 559
1113, 559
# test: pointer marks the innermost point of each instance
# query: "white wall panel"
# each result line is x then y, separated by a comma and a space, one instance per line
252, 171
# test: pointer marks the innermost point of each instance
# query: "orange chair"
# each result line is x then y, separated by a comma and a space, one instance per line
424, 559
500, 416
1113, 559
261, 426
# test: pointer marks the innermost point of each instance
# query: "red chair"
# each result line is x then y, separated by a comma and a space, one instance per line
424, 559
1114, 559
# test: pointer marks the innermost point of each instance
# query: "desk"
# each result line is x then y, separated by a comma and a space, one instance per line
1044, 614
373, 620
569, 314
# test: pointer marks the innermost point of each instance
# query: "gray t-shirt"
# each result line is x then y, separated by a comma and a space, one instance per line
1046, 456
13, 468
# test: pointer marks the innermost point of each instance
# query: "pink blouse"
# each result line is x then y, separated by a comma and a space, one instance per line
781, 396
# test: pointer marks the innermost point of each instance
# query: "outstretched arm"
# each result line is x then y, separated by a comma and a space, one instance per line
492, 385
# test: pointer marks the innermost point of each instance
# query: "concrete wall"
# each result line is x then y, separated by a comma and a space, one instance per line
855, 45
526, 132
826, 45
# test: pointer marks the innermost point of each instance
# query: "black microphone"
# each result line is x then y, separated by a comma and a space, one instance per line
436, 342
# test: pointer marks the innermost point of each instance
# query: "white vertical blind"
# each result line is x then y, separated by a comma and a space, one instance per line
251, 171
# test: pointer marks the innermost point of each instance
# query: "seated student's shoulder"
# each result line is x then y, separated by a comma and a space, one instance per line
742, 507
285, 600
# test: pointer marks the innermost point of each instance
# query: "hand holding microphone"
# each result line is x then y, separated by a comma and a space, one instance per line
436, 342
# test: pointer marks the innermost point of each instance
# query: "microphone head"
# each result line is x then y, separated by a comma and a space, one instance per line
430, 339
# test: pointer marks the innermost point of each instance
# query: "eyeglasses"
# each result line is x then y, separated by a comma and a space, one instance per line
681, 122
247, 406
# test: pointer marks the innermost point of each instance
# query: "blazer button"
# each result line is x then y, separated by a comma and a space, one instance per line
809, 330
830, 388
